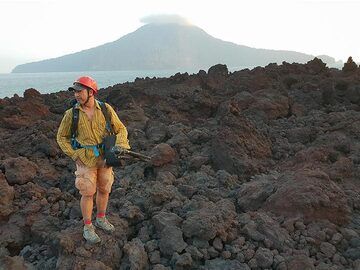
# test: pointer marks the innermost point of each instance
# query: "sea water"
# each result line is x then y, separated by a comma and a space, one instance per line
51, 82
17, 83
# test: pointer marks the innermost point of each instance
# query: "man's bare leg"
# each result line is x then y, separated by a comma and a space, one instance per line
102, 222
102, 199
86, 205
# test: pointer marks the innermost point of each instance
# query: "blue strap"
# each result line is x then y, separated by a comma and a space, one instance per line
76, 145
94, 148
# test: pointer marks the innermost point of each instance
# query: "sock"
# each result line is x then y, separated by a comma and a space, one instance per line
101, 214
87, 221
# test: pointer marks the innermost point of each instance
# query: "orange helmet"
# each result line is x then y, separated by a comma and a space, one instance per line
84, 81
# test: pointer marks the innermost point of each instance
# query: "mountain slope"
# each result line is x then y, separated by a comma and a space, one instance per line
163, 46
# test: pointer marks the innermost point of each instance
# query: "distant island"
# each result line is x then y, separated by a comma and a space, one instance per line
167, 46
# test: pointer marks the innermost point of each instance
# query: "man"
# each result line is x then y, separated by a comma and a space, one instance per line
92, 175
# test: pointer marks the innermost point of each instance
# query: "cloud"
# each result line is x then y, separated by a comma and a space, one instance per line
165, 19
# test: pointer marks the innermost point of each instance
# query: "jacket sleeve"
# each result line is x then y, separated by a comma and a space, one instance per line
119, 129
64, 135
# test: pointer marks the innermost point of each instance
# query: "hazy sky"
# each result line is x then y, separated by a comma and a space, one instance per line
40, 29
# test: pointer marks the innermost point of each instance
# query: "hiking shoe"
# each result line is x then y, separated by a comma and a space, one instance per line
103, 223
90, 234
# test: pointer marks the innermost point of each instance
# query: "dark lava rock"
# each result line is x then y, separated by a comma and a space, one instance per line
251, 169
136, 254
350, 65
171, 240
225, 265
211, 220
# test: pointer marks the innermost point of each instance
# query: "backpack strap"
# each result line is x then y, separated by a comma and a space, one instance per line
74, 126
105, 112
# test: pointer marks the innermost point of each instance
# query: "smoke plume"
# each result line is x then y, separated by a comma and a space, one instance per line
165, 19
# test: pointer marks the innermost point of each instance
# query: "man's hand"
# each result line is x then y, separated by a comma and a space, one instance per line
79, 162
118, 150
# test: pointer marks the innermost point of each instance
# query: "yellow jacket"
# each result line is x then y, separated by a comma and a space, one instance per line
90, 133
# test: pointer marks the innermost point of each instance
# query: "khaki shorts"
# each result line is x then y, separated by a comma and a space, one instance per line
88, 180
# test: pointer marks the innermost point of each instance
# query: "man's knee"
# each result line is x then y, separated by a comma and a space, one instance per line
104, 190
105, 180
86, 187
89, 198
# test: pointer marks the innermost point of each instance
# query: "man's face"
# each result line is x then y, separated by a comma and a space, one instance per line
82, 95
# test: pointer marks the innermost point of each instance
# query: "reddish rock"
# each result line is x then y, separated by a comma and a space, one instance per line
14, 263
137, 256
6, 197
259, 81
32, 93
162, 154
24, 111
239, 149
272, 103
12, 233
309, 194
316, 66
19, 170
134, 117
300, 262
341, 169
